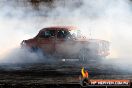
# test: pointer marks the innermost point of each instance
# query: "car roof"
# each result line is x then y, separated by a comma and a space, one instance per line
59, 28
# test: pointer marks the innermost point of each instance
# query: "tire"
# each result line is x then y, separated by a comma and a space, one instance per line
84, 54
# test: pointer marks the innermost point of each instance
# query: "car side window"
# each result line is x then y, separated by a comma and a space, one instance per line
47, 34
62, 34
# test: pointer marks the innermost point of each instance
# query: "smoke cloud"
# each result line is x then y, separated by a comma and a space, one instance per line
100, 19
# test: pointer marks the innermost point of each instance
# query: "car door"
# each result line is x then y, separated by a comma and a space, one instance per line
64, 44
46, 41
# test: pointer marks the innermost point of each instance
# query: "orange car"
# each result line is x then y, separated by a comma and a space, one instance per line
67, 41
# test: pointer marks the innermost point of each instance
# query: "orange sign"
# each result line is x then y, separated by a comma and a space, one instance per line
85, 81
110, 82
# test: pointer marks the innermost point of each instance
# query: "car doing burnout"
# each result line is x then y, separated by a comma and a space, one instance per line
67, 42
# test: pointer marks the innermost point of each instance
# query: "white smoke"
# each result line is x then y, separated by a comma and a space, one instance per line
102, 19
23, 56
